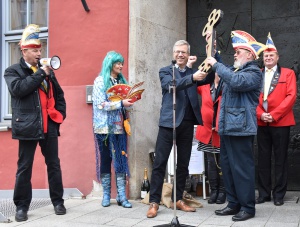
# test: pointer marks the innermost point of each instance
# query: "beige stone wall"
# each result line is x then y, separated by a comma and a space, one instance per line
154, 27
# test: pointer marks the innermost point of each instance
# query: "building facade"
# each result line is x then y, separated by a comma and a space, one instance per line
144, 32
140, 31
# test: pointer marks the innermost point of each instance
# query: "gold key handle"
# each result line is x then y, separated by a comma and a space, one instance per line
214, 19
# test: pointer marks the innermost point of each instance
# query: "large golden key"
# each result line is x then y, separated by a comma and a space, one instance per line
213, 20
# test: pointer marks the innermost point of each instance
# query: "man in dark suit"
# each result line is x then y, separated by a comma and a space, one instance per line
275, 117
187, 115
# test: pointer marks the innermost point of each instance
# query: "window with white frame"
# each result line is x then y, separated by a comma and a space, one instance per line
16, 15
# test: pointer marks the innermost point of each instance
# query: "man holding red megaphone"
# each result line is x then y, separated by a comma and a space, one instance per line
38, 108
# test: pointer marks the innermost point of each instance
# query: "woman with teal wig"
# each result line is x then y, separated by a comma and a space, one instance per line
111, 58
110, 136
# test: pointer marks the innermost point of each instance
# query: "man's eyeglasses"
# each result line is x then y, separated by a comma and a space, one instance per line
179, 51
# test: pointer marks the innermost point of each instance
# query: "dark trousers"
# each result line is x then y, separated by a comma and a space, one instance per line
106, 159
164, 143
274, 139
23, 188
214, 177
116, 144
237, 162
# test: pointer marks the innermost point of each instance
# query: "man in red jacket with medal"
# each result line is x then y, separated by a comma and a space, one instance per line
274, 117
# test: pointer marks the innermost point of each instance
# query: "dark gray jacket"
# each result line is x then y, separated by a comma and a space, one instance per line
23, 85
182, 83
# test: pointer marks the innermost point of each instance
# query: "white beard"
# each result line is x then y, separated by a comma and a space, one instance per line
237, 64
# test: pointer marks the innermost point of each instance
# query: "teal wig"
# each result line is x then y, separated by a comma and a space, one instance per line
110, 59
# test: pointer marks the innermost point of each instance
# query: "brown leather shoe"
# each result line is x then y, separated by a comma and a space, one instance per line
152, 212
180, 205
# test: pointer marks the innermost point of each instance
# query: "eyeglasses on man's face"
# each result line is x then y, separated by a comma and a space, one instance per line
180, 52
240, 51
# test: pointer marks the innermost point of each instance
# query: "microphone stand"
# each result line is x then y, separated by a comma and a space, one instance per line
174, 222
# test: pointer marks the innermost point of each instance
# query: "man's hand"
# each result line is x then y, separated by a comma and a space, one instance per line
46, 69
267, 117
199, 75
191, 61
211, 61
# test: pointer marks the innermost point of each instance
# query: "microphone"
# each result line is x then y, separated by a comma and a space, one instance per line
173, 75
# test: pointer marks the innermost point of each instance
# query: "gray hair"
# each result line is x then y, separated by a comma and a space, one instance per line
180, 43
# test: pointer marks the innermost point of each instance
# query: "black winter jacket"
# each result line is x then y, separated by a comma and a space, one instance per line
23, 85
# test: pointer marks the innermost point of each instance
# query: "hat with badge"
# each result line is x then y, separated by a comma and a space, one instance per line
243, 40
270, 47
30, 37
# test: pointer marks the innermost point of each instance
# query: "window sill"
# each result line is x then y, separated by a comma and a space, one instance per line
5, 126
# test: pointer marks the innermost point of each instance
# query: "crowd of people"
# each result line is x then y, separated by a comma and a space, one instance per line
237, 103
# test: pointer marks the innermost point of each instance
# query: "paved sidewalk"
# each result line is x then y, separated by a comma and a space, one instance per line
89, 213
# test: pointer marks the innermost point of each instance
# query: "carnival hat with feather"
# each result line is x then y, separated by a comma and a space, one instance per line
244, 40
30, 37
270, 47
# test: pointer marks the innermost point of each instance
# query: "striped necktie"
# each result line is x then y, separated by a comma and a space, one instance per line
44, 83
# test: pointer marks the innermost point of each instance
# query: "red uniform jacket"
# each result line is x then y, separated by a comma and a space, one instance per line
281, 99
204, 132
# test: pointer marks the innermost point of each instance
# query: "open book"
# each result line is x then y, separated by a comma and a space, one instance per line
124, 91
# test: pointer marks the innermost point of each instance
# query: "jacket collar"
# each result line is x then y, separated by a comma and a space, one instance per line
249, 63
278, 69
187, 68
24, 65
255, 63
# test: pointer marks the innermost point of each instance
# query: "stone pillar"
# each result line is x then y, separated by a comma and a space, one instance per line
154, 27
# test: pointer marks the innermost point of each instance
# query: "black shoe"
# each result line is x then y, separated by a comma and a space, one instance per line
60, 209
259, 200
278, 202
226, 211
221, 198
21, 215
242, 216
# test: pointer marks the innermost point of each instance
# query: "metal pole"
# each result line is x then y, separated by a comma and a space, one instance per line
174, 137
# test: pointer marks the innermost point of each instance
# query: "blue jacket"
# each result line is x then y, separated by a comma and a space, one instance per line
240, 95
182, 83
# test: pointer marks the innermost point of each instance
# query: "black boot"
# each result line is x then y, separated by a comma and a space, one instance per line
213, 196
212, 178
222, 194
221, 198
